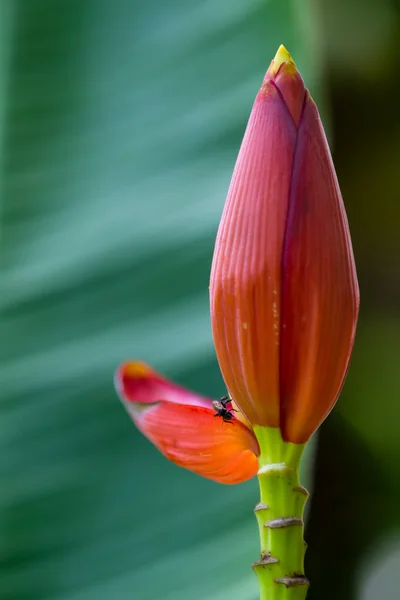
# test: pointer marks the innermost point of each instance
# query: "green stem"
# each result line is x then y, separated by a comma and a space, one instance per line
280, 570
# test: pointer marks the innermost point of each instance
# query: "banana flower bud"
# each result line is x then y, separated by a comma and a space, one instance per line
283, 290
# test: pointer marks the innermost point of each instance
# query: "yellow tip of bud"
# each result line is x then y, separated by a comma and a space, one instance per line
281, 57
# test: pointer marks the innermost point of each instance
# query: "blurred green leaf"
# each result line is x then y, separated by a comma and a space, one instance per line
373, 388
120, 123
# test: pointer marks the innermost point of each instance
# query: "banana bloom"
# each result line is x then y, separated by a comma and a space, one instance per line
283, 291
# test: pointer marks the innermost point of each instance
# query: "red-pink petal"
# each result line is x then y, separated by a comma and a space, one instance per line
245, 283
187, 432
319, 289
138, 382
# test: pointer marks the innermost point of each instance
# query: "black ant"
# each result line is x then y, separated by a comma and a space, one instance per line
222, 411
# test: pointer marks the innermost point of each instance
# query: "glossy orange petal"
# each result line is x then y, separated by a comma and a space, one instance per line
183, 427
320, 295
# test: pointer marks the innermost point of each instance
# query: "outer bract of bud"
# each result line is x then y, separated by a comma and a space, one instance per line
184, 428
284, 293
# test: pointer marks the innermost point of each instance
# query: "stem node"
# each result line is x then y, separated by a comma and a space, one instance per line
293, 581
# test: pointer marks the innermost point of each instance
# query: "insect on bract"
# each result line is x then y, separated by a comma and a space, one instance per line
222, 411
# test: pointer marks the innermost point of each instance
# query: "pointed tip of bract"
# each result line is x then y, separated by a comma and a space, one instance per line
285, 76
282, 56
135, 368
130, 369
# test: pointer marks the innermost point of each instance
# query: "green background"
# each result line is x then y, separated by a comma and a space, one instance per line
120, 122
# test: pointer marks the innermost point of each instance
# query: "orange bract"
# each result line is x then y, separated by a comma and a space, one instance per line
183, 427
